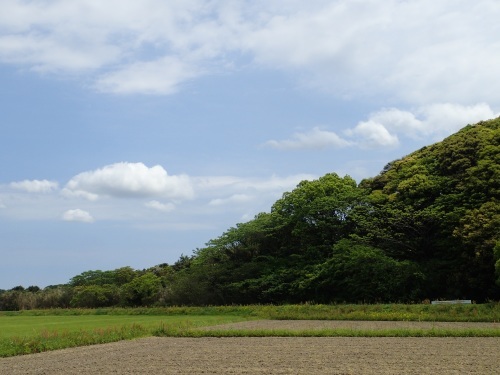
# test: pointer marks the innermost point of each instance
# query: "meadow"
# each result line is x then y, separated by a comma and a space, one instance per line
32, 331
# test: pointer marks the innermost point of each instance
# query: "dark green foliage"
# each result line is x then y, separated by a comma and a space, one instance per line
95, 296
361, 273
441, 206
497, 262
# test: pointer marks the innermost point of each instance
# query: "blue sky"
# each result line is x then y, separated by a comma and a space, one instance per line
134, 132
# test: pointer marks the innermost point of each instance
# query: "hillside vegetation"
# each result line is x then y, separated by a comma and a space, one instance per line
427, 227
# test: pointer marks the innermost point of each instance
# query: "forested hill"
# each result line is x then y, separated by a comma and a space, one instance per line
427, 227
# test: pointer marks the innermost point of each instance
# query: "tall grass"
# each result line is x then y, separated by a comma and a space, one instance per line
390, 312
489, 312
327, 332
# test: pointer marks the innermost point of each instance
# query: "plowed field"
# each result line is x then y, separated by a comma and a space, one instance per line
272, 355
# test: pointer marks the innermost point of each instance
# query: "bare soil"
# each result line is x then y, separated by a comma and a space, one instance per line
273, 355
299, 325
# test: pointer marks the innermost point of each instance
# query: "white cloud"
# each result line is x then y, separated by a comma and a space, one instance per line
230, 185
153, 77
71, 193
420, 51
314, 139
77, 215
446, 118
372, 134
129, 180
35, 186
126, 46
131, 192
233, 199
431, 122
163, 207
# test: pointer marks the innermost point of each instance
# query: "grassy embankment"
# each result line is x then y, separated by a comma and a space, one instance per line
41, 330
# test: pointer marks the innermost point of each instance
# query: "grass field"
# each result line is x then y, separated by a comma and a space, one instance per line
41, 330
24, 334
23, 326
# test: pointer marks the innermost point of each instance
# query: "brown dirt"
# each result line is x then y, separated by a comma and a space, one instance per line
350, 324
273, 355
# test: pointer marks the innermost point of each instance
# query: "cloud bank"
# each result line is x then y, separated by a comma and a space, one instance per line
420, 51
384, 128
135, 192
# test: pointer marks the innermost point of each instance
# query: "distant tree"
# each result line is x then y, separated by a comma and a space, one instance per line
96, 277
361, 273
119, 276
93, 296
9, 300
142, 291
123, 275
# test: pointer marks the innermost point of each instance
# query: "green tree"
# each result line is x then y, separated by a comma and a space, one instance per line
361, 273
92, 277
142, 291
93, 296
317, 214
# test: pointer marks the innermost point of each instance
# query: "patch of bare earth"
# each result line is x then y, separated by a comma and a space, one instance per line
272, 355
300, 325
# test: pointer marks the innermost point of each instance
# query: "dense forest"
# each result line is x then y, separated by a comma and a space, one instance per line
427, 227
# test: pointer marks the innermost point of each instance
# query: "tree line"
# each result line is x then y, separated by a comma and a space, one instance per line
426, 227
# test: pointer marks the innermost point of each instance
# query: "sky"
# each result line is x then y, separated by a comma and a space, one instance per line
132, 132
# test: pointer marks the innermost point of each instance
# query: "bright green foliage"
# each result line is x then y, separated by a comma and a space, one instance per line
316, 215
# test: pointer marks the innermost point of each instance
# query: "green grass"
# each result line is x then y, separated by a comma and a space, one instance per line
25, 334
34, 325
33, 331
52, 340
